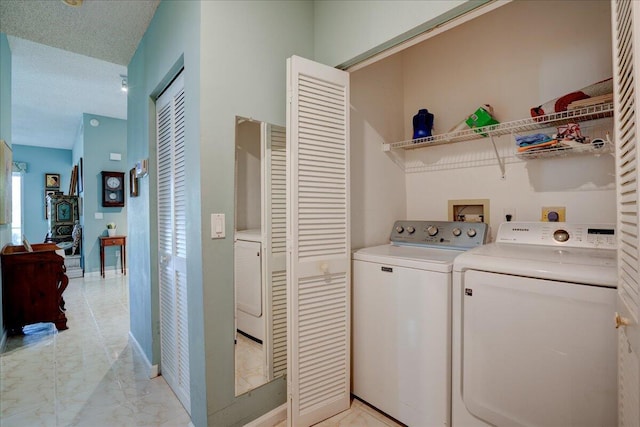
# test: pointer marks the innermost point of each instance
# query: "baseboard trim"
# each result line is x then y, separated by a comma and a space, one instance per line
271, 418
3, 341
151, 369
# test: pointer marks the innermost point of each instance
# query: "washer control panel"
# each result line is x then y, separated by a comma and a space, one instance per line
602, 236
440, 234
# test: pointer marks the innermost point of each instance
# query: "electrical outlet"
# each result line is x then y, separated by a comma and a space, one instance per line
553, 214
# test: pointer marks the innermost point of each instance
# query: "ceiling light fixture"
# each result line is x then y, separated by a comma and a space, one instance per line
73, 3
125, 86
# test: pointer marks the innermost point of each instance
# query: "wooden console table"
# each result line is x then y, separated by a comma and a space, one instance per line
32, 286
114, 241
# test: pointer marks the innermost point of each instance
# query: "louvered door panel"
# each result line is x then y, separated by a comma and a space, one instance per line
172, 243
279, 324
274, 217
318, 263
627, 128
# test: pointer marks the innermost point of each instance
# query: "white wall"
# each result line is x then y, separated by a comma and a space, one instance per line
514, 58
377, 183
346, 29
248, 182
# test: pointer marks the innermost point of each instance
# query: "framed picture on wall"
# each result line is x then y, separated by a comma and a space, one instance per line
80, 176
52, 180
133, 183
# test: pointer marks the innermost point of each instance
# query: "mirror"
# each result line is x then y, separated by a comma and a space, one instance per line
259, 254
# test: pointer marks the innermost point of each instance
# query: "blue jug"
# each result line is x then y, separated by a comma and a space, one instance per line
422, 124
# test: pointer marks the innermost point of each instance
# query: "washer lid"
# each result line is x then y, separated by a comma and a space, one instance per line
251, 235
577, 265
437, 260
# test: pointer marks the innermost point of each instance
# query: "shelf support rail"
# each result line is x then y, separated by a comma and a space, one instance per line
500, 160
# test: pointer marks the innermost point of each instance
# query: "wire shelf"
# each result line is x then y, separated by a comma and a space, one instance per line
597, 142
565, 150
593, 112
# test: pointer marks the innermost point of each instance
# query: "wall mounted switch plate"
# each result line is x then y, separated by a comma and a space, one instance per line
217, 226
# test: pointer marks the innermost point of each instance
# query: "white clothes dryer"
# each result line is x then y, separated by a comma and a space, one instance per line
401, 330
249, 287
533, 336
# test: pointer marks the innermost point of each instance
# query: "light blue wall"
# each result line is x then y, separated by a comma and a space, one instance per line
234, 54
110, 136
243, 56
5, 134
40, 161
171, 41
349, 29
5, 89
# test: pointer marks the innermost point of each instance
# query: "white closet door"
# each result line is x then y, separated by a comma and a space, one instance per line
626, 54
172, 244
319, 261
275, 228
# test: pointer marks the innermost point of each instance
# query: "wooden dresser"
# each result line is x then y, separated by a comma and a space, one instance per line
32, 286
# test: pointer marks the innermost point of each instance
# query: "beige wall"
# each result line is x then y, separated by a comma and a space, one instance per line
248, 182
377, 183
514, 58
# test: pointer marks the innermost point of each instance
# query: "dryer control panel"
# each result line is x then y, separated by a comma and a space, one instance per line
440, 234
602, 236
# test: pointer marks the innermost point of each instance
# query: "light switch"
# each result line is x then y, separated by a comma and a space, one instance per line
217, 226
115, 156
97, 215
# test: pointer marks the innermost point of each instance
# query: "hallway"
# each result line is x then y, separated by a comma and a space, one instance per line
88, 375
91, 375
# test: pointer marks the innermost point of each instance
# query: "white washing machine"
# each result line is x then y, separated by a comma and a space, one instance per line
534, 342
401, 319
249, 288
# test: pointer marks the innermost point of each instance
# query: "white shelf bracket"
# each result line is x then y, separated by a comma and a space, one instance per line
500, 160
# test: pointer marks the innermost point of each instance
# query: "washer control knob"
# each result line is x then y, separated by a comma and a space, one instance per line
456, 232
560, 236
432, 230
471, 232
410, 230
399, 229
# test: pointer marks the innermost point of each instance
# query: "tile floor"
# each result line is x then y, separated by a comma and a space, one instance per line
360, 415
90, 375
87, 375
249, 364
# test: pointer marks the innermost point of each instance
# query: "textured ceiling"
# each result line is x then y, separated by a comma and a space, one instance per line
67, 61
105, 29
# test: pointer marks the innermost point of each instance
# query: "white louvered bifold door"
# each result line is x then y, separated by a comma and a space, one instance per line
319, 259
626, 53
274, 219
172, 245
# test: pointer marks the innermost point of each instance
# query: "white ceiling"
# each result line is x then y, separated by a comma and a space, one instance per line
67, 61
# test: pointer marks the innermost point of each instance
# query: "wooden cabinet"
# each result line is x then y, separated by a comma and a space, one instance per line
63, 213
32, 286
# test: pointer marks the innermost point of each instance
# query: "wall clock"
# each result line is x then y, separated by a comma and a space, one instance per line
112, 189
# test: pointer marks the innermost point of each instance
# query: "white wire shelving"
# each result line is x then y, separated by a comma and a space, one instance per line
517, 126
593, 112
600, 147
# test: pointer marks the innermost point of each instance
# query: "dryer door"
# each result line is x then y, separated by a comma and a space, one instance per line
248, 277
538, 352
